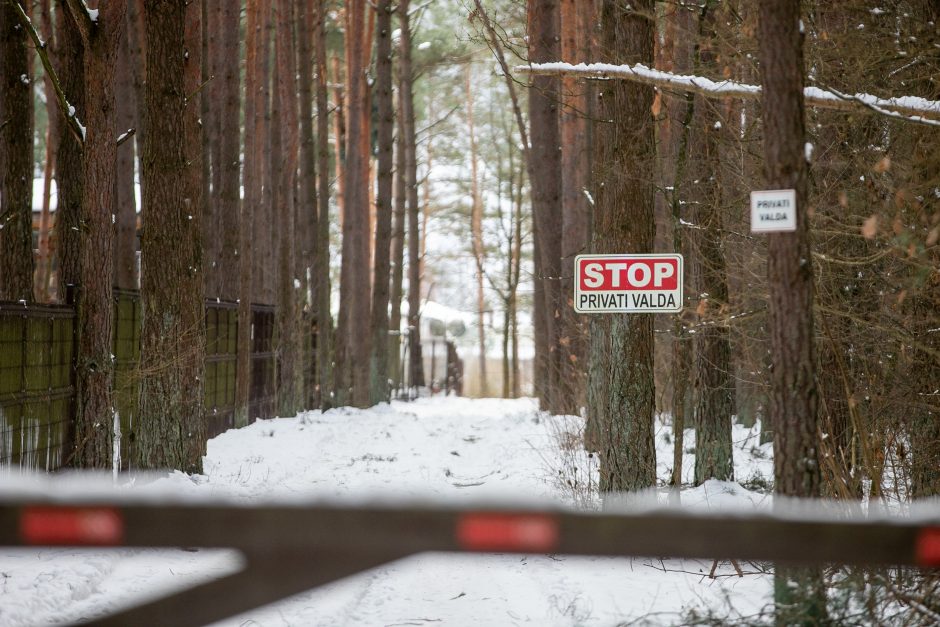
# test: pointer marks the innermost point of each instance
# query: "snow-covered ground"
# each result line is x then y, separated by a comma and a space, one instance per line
453, 450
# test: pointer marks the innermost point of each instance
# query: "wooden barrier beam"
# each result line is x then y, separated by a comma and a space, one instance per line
289, 549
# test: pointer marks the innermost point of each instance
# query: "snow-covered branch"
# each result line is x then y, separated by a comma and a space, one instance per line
905, 108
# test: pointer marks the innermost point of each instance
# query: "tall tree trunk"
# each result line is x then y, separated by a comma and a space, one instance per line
262, 274
621, 395
324, 316
576, 22
253, 176
94, 430
514, 300
339, 137
307, 197
16, 155
69, 173
379, 362
125, 210
172, 427
923, 424
793, 396
545, 179
211, 93
673, 140
476, 234
355, 290
229, 150
398, 245
411, 190
286, 154
714, 386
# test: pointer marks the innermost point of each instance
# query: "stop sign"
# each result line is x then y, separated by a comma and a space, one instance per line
628, 283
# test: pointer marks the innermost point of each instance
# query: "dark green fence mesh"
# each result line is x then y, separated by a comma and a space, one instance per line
36, 352
37, 349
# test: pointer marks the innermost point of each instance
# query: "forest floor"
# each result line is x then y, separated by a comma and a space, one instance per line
452, 450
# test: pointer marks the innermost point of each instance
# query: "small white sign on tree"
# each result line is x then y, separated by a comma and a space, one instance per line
773, 211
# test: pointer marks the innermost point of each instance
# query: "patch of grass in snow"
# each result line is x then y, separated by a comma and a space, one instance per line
757, 482
572, 470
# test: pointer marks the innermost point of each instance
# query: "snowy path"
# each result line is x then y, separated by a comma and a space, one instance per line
435, 449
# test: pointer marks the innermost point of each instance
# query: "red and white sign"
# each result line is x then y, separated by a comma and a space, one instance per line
627, 283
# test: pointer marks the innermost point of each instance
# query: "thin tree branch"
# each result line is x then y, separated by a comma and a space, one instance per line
493, 41
68, 111
126, 135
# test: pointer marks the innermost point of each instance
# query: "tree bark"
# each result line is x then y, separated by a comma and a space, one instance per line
70, 177
714, 393
125, 250
476, 235
262, 275
621, 394
324, 315
94, 363
379, 361
227, 199
285, 175
253, 169
799, 593
352, 363
172, 427
398, 245
411, 191
16, 155
576, 26
306, 215
545, 184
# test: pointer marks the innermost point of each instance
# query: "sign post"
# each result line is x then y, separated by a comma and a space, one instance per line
773, 211
628, 283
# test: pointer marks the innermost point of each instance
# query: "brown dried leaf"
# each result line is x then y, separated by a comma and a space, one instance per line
657, 105
843, 200
870, 227
932, 237
702, 307
901, 296
897, 226
883, 165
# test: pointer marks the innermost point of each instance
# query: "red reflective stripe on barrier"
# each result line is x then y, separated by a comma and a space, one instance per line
928, 547
95, 526
507, 532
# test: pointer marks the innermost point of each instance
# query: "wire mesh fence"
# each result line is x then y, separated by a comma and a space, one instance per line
37, 365
37, 350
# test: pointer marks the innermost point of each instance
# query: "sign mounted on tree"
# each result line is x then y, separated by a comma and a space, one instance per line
628, 283
773, 211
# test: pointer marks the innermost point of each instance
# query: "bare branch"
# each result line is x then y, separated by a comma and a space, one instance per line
494, 43
68, 111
